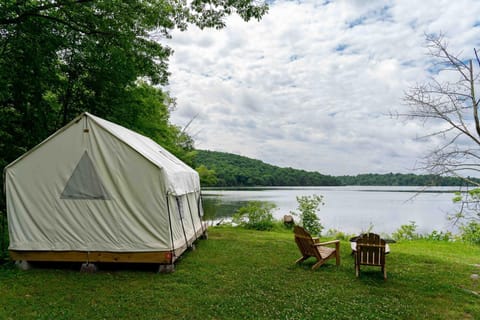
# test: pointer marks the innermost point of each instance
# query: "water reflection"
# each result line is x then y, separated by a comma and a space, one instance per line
216, 208
349, 209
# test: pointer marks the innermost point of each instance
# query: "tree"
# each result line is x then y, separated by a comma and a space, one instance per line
448, 102
255, 215
308, 206
62, 57
59, 58
207, 176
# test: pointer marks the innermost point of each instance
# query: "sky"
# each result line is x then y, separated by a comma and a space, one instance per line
313, 84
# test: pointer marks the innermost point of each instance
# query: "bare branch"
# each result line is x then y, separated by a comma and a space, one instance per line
476, 55
454, 106
475, 105
190, 122
438, 49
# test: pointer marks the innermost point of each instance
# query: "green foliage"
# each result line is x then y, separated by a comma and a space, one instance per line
406, 232
235, 170
439, 236
339, 235
255, 215
457, 197
470, 232
3, 237
472, 194
469, 205
399, 179
308, 206
207, 177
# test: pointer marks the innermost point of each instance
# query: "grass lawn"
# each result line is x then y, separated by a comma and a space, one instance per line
243, 274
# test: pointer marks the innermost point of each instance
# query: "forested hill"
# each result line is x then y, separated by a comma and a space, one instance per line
226, 169
222, 169
399, 179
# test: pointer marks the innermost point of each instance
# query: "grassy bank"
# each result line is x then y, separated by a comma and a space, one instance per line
241, 274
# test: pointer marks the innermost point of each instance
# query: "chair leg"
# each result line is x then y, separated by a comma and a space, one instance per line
302, 259
357, 270
318, 264
384, 270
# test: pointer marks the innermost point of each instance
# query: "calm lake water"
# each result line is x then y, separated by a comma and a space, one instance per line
350, 209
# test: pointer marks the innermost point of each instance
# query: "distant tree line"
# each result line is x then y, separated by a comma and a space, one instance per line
220, 169
399, 179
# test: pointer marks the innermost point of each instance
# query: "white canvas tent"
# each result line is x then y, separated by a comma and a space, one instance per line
95, 191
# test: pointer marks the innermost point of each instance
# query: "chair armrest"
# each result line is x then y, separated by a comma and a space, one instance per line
371, 245
316, 239
326, 243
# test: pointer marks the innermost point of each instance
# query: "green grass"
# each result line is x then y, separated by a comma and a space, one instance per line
246, 274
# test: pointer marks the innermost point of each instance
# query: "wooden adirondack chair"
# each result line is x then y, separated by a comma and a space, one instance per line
311, 247
370, 251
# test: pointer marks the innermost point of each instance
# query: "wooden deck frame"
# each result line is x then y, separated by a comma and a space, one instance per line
161, 257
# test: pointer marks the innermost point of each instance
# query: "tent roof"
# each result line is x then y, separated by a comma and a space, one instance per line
143, 145
182, 178
178, 172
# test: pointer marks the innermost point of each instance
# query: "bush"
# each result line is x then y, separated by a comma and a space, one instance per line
3, 237
406, 232
255, 215
308, 208
339, 235
470, 232
440, 236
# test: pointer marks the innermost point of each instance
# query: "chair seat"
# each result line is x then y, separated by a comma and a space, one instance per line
325, 251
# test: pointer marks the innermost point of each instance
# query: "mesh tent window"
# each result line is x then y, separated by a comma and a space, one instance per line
85, 183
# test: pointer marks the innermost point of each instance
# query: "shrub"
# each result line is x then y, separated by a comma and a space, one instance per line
3, 237
369, 229
470, 232
440, 236
255, 215
339, 235
469, 202
406, 232
308, 208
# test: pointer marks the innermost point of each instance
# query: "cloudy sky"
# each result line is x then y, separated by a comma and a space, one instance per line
312, 84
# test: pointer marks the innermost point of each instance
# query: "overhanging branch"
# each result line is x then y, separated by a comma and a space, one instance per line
35, 11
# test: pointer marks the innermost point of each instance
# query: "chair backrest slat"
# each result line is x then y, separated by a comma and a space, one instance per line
304, 242
371, 250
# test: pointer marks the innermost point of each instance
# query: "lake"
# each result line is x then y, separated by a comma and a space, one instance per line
351, 209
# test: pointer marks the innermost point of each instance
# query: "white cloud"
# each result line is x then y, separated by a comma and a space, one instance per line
311, 86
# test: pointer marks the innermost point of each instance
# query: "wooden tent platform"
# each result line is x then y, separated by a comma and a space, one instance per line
162, 257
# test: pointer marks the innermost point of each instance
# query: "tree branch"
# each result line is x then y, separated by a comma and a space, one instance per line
475, 105
36, 10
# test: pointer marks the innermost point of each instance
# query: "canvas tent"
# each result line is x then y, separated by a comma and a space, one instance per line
97, 192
